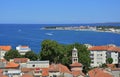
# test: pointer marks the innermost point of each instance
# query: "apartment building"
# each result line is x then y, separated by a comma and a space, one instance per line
99, 54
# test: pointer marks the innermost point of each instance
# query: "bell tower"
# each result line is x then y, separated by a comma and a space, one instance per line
74, 55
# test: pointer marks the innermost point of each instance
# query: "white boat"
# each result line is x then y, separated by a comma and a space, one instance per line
50, 34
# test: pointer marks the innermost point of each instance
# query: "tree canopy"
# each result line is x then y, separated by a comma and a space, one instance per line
12, 54
109, 60
31, 55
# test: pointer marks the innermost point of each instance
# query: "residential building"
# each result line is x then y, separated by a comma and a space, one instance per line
21, 61
37, 64
99, 54
3, 50
23, 49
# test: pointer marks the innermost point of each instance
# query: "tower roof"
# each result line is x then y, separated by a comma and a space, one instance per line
74, 49
76, 64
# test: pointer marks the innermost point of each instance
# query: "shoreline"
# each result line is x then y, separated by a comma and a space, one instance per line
84, 30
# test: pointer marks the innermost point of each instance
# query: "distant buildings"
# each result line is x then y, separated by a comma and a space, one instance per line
23, 49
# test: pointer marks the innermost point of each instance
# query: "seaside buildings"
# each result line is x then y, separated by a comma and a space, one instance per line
3, 50
23, 49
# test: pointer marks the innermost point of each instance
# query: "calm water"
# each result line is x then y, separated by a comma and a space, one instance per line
32, 36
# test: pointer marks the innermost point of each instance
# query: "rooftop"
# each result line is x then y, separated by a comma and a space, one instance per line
21, 60
59, 68
76, 64
12, 65
104, 48
97, 72
5, 48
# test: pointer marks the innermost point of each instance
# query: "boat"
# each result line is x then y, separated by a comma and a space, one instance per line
50, 34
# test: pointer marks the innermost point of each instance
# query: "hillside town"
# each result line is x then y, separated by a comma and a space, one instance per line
24, 67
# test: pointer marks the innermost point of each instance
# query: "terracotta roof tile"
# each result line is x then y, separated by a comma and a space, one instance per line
3, 60
5, 48
24, 47
1, 71
99, 48
96, 72
104, 48
20, 60
76, 64
111, 66
1, 75
77, 73
12, 65
45, 72
27, 69
59, 68
27, 75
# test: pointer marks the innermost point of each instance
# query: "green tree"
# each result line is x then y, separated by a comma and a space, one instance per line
50, 51
109, 60
31, 55
12, 54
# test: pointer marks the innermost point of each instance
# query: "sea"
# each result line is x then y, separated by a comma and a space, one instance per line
32, 35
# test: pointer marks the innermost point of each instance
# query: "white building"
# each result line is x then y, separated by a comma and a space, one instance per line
23, 49
3, 50
99, 54
37, 64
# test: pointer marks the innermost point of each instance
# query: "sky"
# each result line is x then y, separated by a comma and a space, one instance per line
59, 11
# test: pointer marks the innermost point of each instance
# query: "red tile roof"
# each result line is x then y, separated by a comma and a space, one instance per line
3, 60
1, 71
77, 73
76, 64
27, 75
111, 66
12, 65
5, 48
1, 75
97, 72
20, 60
104, 48
45, 72
59, 68
24, 46
25, 70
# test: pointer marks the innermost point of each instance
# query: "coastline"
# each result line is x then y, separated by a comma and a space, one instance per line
94, 28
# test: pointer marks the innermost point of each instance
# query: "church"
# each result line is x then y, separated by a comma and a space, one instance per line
76, 67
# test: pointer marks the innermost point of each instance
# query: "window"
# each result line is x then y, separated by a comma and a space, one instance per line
33, 65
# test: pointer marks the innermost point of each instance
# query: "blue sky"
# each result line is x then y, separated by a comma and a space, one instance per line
59, 11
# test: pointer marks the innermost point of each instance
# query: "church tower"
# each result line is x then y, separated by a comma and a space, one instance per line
74, 55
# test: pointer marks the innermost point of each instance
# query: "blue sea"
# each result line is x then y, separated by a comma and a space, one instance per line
32, 35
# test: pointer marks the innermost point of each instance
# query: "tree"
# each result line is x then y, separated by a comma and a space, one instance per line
50, 51
31, 55
109, 60
12, 54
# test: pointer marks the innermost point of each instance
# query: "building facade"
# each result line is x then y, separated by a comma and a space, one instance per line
99, 54
3, 50
23, 49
